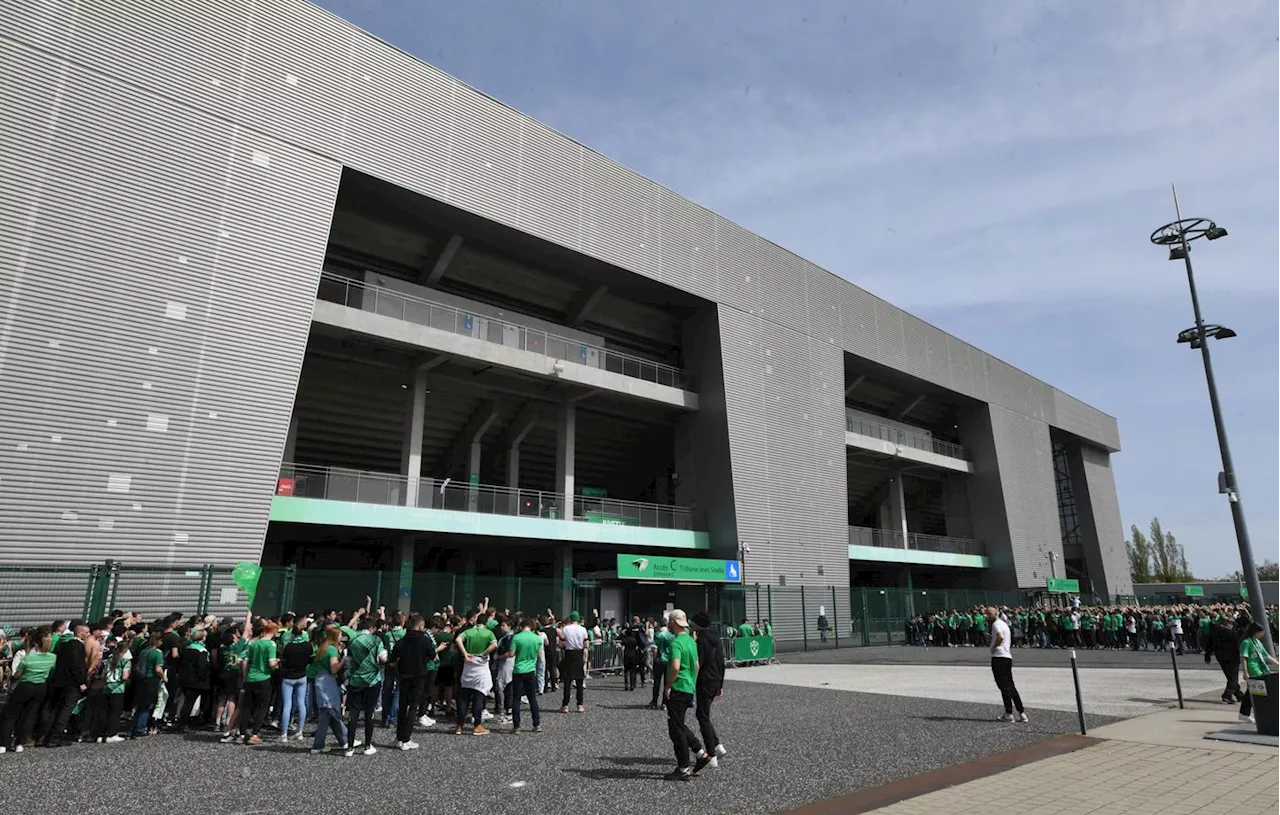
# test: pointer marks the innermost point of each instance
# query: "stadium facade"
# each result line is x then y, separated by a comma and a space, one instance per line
271, 289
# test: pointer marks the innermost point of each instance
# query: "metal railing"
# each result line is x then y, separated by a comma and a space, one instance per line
389, 303
905, 438
338, 484
865, 536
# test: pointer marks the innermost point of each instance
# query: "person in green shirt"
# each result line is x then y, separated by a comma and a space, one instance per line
149, 674
661, 649
474, 646
682, 679
366, 654
325, 669
746, 629
1254, 661
257, 665
390, 683
27, 691
526, 649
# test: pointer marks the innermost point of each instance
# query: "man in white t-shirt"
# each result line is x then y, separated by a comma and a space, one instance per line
574, 668
1002, 667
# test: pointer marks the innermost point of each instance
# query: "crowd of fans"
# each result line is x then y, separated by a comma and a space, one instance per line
124, 677
1181, 628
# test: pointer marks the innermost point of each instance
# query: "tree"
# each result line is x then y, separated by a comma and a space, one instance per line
1139, 556
1267, 570
1157, 557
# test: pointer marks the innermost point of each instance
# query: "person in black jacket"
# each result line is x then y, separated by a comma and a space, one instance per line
68, 681
410, 656
710, 683
634, 645
197, 677
1224, 643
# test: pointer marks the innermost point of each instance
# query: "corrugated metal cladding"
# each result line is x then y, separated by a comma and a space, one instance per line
1025, 458
300, 74
1099, 492
786, 440
157, 271
169, 125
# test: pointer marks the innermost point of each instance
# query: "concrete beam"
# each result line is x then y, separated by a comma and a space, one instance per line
435, 362
460, 450
906, 407
588, 301
854, 385
437, 263
524, 422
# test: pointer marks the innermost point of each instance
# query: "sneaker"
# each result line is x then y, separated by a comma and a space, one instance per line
1022, 718
564, 710
370, 750
426, 721
703, 761
680, 774
480, 730
254, 740
720, 751
114, 739
19, 748
582, 709
229, 738
3, 750
408, 745
285, 738
537, 728
348, 753
1242, 717
358, 743
1006, 717
515, 728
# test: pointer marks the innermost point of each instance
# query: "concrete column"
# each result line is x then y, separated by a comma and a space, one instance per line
513, 478
291, 441
562, 571
473, 475
405, 548
898, 508
469, 599
411, 448
566, 433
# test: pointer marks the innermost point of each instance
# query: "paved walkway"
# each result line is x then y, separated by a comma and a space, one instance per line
1158, 764
1106, 691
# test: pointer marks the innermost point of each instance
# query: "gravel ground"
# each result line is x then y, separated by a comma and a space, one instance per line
788, 746
1022, 657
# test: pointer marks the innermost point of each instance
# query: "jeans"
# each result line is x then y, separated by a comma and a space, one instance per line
294, 695
253, 707
408, 689
361, 700
19, 717
1002, 670
705, 696
329, 719
526, 686
472, 701
145, 701
682, 738
390, 698
541, 673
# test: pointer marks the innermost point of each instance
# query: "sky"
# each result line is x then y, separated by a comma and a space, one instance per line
995, 168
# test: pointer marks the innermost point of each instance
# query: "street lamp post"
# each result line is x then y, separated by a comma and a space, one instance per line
1178, 237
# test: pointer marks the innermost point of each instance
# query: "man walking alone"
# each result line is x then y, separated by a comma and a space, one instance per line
1002, 667
709, 684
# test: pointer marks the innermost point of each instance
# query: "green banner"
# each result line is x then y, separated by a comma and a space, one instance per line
246, 575
687, 569
1193, 591
1062, 584
746, 649
605, 518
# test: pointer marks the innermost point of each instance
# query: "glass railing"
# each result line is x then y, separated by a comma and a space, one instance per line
378, 300
339, 484
864, 536
905, 438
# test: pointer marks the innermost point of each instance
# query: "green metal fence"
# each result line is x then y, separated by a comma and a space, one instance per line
801, 617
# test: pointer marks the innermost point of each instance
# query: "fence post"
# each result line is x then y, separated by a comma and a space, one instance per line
377, 589
768, 592
804, 619
113, 582
206, 587
835, 615
286, 591
89, 590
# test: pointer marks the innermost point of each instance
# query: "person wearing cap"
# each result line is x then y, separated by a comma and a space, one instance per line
682, 678
710, 683
574, 667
